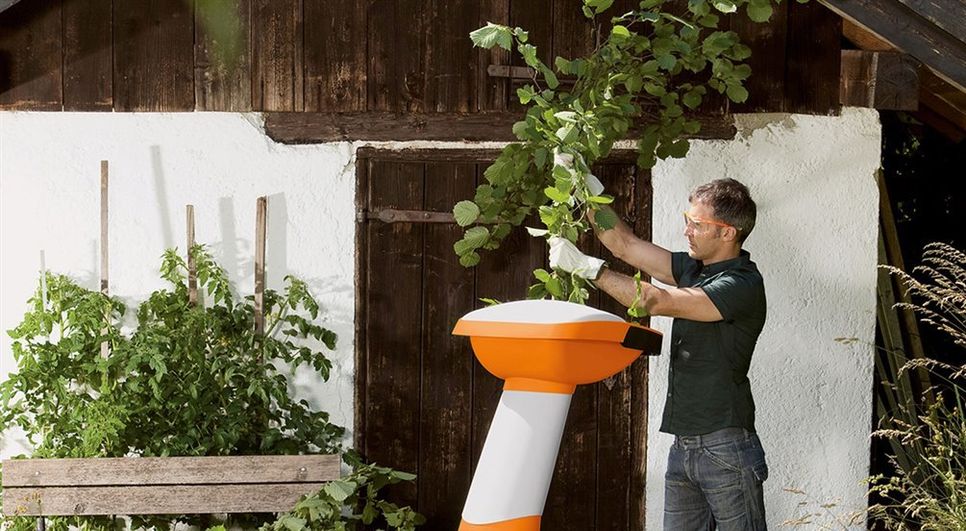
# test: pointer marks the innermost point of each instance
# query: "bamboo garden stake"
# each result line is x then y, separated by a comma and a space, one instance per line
192, 274
105, 350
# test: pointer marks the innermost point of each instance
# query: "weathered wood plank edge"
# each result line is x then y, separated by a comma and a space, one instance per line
166, 499
279, 469
311, 128
908, 31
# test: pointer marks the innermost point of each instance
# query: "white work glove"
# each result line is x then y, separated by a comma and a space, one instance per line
566, 160
565, 255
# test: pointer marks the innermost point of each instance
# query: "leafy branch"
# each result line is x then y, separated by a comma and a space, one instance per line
652, 68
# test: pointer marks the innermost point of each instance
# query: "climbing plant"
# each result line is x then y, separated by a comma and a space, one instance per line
650, 69
190, 379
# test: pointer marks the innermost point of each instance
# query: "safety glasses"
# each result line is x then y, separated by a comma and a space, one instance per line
698, 224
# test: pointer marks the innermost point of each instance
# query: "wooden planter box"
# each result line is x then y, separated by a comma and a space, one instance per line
162, 485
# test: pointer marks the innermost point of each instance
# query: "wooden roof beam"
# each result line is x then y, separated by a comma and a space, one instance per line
942, 106
318, 127
917, 28
879, 80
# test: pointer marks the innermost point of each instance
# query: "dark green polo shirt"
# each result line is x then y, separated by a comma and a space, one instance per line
708, 387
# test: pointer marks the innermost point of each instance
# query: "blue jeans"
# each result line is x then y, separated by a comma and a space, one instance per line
715, 479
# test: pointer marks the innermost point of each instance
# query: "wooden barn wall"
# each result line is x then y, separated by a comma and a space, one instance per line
347, 55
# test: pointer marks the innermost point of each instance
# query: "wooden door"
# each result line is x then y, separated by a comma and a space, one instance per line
423, 402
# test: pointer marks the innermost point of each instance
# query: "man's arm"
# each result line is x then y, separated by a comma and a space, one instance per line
687, 303
641, 254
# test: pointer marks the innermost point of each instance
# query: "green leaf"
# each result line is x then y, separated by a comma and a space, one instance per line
654, 89
492, 34
556, 195
520, 129
633, 83
529, 53
567, 134
566, 116
679, 148
549, 77
620, 31
525, 94
606, 219
293, 523
601, 199
725, 6
466, 212
759, 10
563, 65
555, 287
737, 93
477, 236
541, 274
340, 490
469, 259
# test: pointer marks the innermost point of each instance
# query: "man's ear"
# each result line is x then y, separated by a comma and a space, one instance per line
729, 234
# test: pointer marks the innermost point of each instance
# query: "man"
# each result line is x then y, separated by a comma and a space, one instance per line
716, 465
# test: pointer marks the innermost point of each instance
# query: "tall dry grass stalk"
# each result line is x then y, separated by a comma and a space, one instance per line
928, 490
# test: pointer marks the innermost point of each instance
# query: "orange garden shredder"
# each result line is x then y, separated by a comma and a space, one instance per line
542, 349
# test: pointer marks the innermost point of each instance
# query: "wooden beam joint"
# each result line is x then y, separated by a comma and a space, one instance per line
879, 80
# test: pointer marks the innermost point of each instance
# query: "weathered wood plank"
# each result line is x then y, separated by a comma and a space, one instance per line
643, 199
180, 499
614, 394
223, 71
446, 378
573, 33
535, 16
154, 55
492, 93
813, 57
572, 498
277, 83
942, 98
361, 283
450, 58
766, 86
393, 318
948, 15
880, 80
397, 56
307, 128
335, 55
31, 57
901, 27
169, 470
88, 64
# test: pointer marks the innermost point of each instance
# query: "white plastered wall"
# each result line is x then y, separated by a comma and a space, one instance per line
813, 178
815, 243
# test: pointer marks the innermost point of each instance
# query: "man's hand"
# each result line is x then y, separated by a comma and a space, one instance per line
566, 160
565, 256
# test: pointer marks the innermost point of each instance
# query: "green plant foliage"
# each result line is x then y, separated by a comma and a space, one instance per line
352, 500
650, 68
189, 380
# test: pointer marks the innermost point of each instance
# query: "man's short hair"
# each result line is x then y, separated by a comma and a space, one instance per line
731, 203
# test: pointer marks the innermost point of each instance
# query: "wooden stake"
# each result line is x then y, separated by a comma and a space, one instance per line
192, 274
105, 349
261, 210
43, 280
